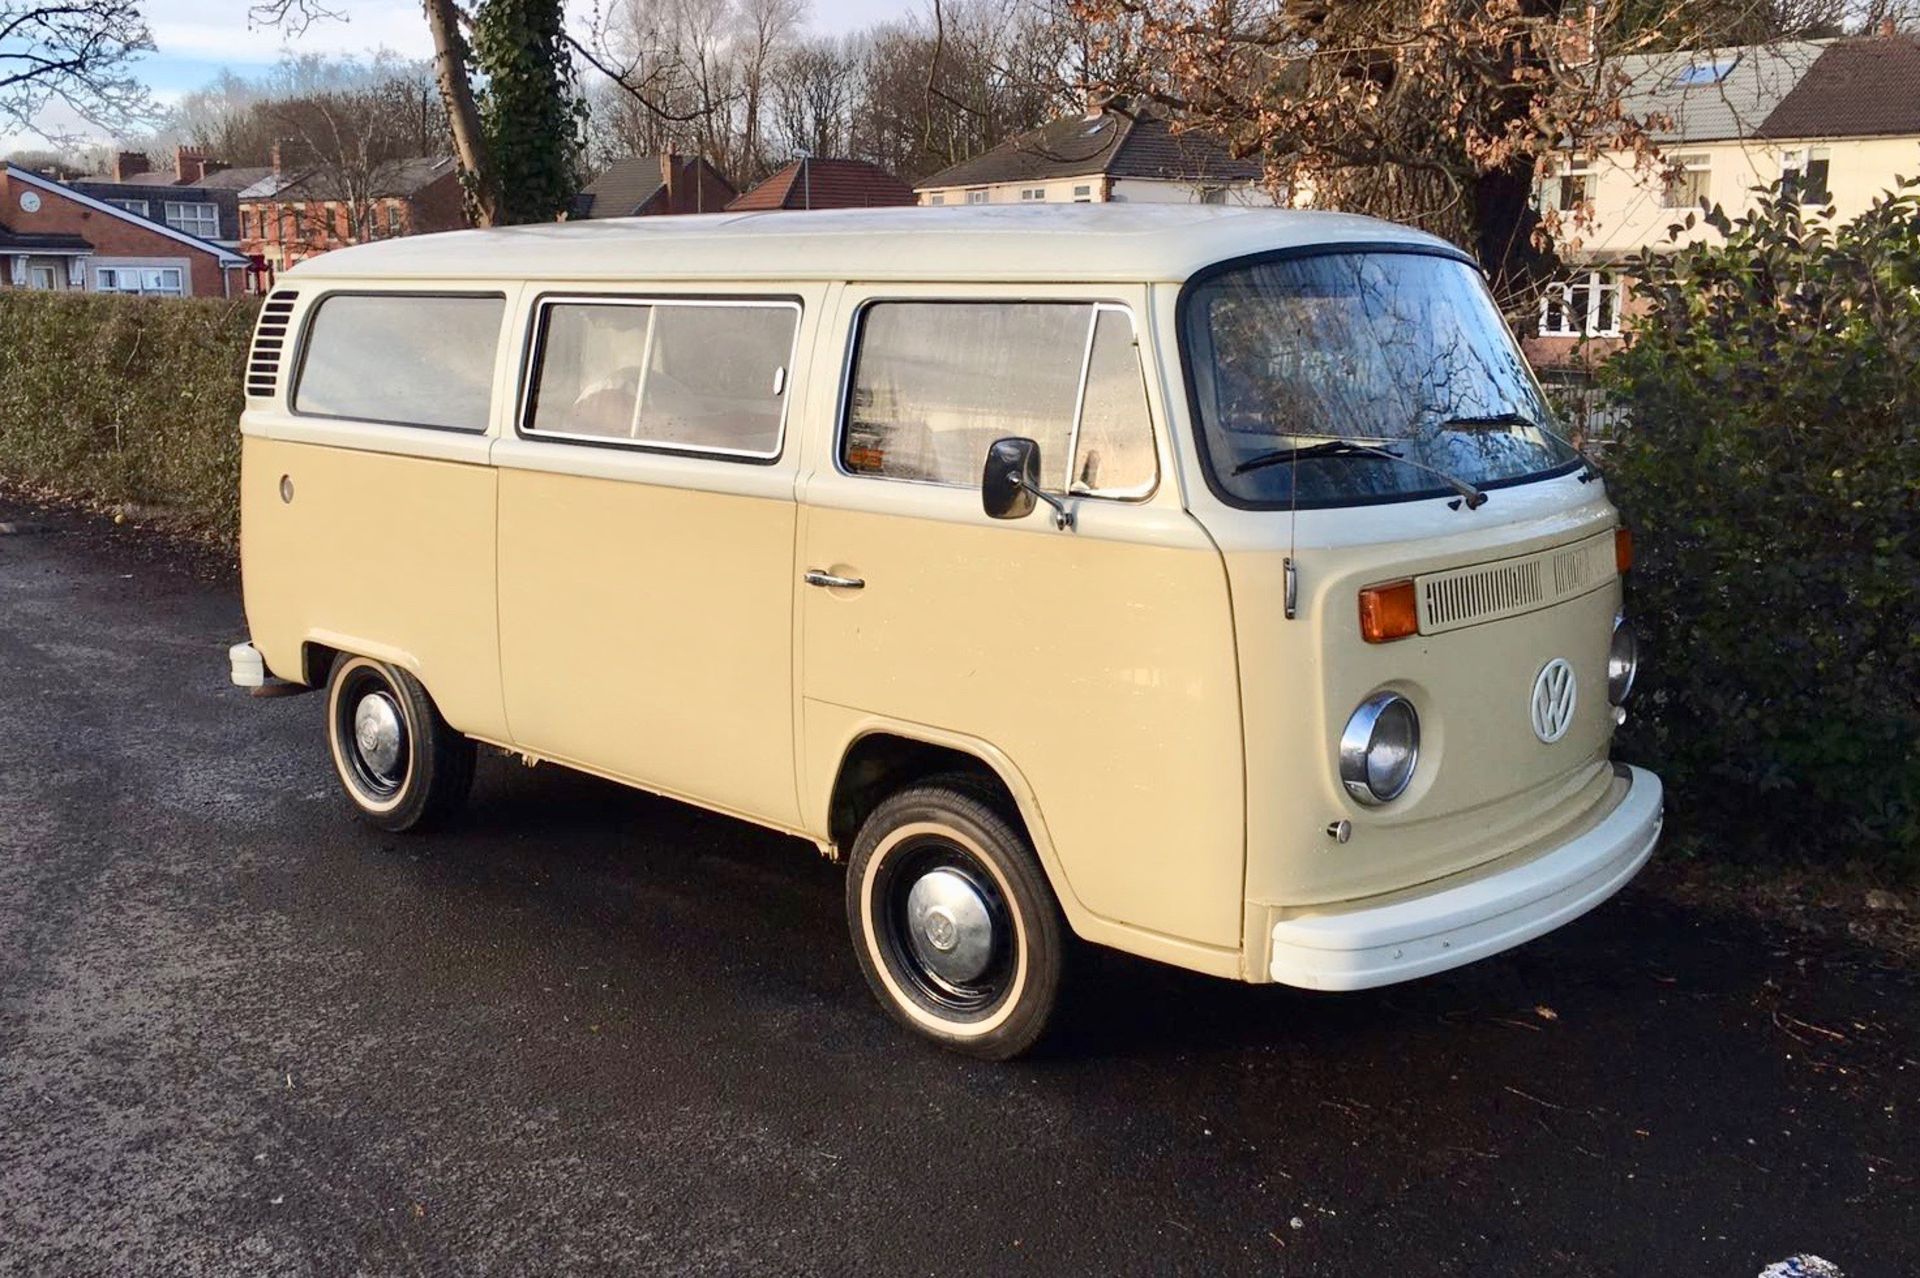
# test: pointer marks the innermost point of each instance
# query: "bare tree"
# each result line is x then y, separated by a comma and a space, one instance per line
812, 98
71, 57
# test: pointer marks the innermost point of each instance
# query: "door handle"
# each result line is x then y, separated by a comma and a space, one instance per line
815, 577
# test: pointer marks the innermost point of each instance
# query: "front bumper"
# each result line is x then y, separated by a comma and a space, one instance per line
1419, 934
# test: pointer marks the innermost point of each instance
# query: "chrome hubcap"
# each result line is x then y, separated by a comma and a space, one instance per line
950, 926
377, 734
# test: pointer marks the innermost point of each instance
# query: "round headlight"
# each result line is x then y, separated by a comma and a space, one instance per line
1379, 748
1623, 661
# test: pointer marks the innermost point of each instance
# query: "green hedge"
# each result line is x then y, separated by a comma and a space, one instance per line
1770, 467
126, 400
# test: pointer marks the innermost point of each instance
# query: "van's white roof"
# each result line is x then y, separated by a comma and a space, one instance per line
1103, 242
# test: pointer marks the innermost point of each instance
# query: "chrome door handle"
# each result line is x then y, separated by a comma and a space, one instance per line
815, 577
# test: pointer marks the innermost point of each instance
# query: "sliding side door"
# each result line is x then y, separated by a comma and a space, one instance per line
646, 544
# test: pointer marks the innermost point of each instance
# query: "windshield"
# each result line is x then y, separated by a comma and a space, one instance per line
1405, 352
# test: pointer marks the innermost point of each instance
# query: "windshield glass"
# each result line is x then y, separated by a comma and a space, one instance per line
1400, 351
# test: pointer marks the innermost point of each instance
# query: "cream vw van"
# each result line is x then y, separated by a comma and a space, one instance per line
1211, 584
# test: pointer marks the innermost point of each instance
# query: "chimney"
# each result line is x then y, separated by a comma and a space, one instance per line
668, 163
128, 164
1887, 29
189, 165
274, 156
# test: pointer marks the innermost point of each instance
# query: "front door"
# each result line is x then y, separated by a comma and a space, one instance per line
1096, 659
646, 546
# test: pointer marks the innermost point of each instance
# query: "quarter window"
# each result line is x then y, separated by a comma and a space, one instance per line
705, 377
402, 359
935, 383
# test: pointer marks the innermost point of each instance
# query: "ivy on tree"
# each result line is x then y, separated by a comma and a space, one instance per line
532, 121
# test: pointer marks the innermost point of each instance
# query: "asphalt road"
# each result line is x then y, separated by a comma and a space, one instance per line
593, 1031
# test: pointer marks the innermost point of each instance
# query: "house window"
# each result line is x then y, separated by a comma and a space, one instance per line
41, 277
1570, 184
1033, 193
1686, 184
1587, 305
136, 207
1803, 175
1083, 195
1213, 195
936, 199
202, 220
161, 281
393, 218
977, 196
1710, 72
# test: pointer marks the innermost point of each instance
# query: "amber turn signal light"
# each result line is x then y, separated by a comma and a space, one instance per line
1623, 548
1388, 612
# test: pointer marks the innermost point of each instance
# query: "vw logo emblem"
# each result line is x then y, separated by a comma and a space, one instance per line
1555, 691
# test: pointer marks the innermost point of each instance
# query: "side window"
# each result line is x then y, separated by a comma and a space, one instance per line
403, 359
682, 375
935, 383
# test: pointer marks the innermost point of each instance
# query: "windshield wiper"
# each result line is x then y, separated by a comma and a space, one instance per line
1473, 497
1487, 421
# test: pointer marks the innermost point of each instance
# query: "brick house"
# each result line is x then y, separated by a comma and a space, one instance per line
826, 184
648, 185
289, 216
55, 237
200, 195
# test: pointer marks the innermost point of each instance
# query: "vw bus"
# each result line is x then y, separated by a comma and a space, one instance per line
1212, 584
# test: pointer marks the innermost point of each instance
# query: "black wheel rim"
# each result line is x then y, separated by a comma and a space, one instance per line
975, 995
372, 771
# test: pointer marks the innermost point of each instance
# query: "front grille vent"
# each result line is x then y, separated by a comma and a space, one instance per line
1487, 592
269, 345
1501, 589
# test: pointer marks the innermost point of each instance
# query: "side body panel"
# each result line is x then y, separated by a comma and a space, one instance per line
385, 548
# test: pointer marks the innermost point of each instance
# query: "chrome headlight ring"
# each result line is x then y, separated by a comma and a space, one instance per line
1380, 749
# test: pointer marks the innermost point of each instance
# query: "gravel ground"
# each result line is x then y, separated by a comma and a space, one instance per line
591, 1031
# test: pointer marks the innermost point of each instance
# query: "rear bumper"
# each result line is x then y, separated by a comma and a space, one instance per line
1413, 936
249, 668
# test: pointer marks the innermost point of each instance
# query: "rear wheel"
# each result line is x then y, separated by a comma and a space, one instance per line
400, 763
953, 921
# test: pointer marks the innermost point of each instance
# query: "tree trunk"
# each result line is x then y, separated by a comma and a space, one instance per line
456, 89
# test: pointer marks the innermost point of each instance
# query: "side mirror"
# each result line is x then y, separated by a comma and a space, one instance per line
1010, 478
1010, 483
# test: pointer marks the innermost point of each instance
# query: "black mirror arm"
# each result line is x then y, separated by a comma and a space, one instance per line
1062, 513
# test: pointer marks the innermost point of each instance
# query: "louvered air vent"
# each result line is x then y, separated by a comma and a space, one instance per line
1487, 592
269, 345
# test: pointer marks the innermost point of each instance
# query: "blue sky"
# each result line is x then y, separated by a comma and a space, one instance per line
196, 39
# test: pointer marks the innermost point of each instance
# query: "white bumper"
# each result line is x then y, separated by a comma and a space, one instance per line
1356, 949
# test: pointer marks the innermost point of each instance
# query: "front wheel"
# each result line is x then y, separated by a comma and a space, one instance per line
953, 922
400, 763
